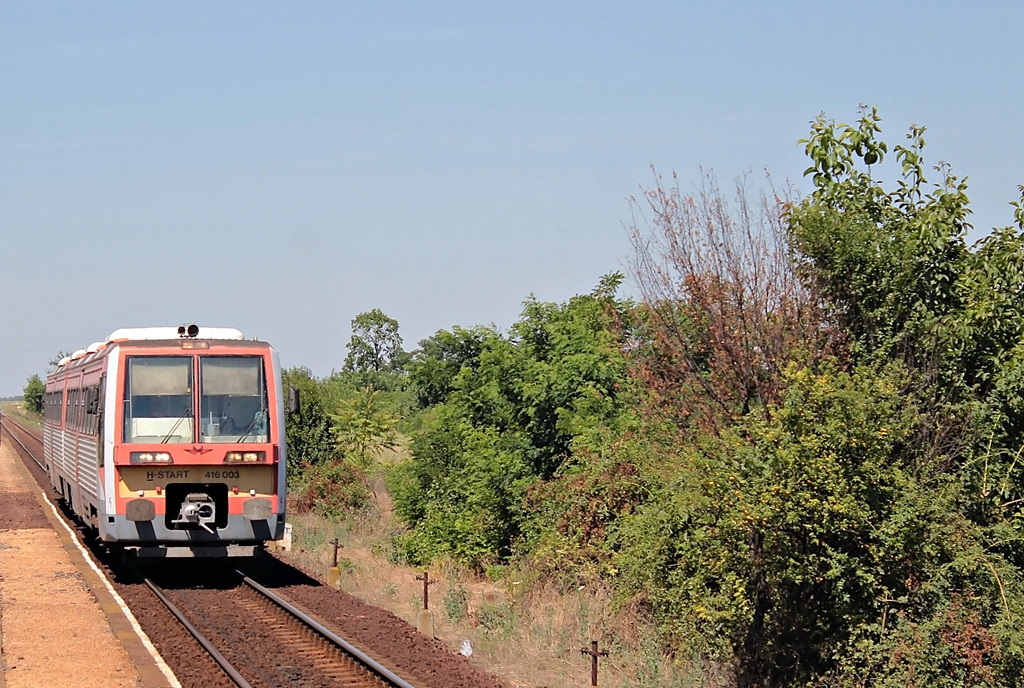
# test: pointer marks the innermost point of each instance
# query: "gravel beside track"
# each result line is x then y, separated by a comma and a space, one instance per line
244, 623
57, 630
21, 509
424, 662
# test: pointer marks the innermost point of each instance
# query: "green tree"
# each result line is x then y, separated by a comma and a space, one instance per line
375, 345
517, 409
773, 542
33, 394
319, 480
311, 436
365, 427
435, 366
889, 264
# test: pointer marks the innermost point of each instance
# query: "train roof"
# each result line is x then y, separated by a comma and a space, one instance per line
155, 336
152, 333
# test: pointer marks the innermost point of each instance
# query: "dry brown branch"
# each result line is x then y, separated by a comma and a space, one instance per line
726, 312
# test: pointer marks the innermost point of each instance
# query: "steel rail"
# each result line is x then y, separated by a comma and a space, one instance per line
5, 419
202, 639
4, 422
370, 663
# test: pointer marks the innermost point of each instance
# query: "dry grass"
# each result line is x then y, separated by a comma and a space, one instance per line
527, 633
16, 410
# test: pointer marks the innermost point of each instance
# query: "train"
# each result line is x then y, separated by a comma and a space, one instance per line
170, 441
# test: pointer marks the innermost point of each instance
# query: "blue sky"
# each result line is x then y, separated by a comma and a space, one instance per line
282, 167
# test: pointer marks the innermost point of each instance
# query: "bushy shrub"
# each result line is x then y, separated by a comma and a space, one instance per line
333, 490
513, 412
572, 521
463, 494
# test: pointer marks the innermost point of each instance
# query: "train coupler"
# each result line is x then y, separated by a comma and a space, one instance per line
199, 509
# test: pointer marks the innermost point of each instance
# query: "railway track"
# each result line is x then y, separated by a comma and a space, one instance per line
250, 618
23, 436
256, 637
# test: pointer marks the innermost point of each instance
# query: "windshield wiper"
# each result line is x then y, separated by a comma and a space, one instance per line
185, 414
260, 417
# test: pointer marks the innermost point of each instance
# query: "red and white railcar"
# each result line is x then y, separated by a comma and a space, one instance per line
170, 439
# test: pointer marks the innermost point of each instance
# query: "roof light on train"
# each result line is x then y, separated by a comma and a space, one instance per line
150, 457
245, 457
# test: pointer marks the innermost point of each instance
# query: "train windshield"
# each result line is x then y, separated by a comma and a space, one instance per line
159, 404
233, 399
158, 400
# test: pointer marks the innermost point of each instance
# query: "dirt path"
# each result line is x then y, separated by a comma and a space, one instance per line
52, 630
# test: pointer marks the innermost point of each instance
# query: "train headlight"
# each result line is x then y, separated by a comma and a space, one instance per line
245, 457
150, 457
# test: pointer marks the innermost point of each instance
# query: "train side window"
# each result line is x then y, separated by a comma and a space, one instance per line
68, 407
96, 409
91, 407
87, 410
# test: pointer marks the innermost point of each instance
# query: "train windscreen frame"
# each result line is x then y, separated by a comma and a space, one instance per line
233, 399
159, 404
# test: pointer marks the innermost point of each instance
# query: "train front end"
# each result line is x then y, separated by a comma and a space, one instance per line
194, 443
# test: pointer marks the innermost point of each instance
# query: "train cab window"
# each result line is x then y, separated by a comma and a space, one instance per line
158, 400
233, 399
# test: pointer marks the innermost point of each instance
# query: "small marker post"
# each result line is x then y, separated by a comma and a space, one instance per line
594, 654
334, 573
425, 619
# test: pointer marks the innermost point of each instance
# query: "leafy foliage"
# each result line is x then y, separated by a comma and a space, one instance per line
364, 427
840, 503
334, 442
889, 264
331, 489
462, 494
375, 345
440, 358
800, 453
516, 406
310, 434
573, 530
772, 542
33, 393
